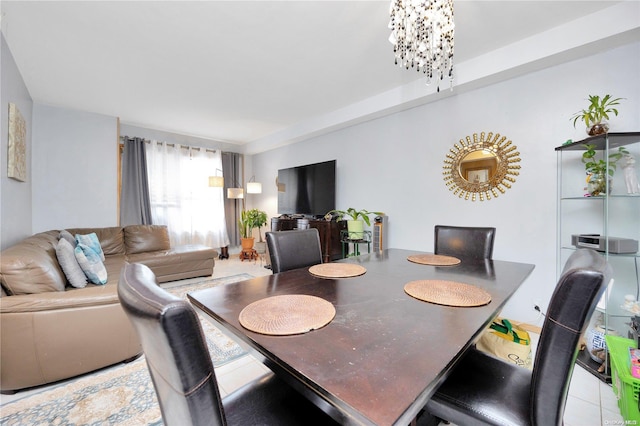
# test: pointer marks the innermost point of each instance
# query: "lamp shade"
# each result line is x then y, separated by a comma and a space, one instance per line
216, 181
254, 188
235, 193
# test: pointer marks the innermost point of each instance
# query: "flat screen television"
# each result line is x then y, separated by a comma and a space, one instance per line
308, 190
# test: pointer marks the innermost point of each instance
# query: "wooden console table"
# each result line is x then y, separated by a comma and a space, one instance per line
329, 234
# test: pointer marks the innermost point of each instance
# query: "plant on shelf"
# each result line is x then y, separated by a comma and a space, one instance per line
250, 219
355, 225
600, 171
595, 114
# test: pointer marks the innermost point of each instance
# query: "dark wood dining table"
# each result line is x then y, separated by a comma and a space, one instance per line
384, 353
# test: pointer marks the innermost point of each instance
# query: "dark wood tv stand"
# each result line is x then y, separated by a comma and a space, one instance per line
329, 234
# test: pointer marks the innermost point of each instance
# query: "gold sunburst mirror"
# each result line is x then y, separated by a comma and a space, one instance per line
482, 167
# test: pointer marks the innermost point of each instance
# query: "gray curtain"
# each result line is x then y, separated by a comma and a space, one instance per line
135, 207
232, 170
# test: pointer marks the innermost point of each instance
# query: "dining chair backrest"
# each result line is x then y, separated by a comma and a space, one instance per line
182, 372
294, 249
174, 347
484, 389
462, 241
583, 281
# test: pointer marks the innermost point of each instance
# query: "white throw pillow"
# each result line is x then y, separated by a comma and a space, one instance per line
69, 264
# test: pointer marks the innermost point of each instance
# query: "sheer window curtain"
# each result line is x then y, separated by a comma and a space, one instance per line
180, 195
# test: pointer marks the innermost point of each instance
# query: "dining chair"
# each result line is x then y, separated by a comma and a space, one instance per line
486, 390
294, 249
182, 371
463, 241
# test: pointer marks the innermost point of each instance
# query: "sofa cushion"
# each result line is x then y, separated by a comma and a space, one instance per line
146, 238
113, 265
111, 238
91, 241
91, 264
31, 266
65, 253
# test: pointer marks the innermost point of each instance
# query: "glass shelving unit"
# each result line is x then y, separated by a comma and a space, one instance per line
613, 214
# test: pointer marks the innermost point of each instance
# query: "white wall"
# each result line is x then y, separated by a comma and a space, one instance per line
159, 135
15, 196
75, 162
394, 164
75, 166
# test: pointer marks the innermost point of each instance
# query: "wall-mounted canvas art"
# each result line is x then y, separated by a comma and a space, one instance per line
17, 155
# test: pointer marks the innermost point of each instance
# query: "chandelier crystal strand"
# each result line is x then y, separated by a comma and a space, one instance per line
422, 37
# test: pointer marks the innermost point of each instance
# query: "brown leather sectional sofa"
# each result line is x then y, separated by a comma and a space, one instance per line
51, 331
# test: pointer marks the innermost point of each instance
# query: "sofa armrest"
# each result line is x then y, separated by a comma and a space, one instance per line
31, 266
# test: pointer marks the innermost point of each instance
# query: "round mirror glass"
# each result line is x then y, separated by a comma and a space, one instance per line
478, 166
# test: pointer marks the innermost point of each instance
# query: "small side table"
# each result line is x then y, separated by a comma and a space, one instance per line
347, 238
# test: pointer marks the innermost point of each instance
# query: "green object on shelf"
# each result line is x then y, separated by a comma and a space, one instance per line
625, 386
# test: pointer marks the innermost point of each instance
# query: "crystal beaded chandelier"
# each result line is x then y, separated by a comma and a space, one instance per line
422, 36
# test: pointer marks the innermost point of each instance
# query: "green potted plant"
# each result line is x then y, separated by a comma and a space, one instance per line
597, 169
261, 220
248, 220
355, 225
595, 114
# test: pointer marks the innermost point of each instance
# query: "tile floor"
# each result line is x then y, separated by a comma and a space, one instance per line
590, 401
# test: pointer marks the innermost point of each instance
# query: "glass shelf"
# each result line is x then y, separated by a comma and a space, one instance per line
600, 197
600, 141
631, 255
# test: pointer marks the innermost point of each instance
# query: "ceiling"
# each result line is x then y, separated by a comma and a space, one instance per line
237, 71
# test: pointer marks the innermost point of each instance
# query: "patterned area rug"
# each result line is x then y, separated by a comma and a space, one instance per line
120, 395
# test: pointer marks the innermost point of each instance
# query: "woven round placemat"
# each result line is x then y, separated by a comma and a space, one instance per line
450, 293
287, 314
434, 259
337, 270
